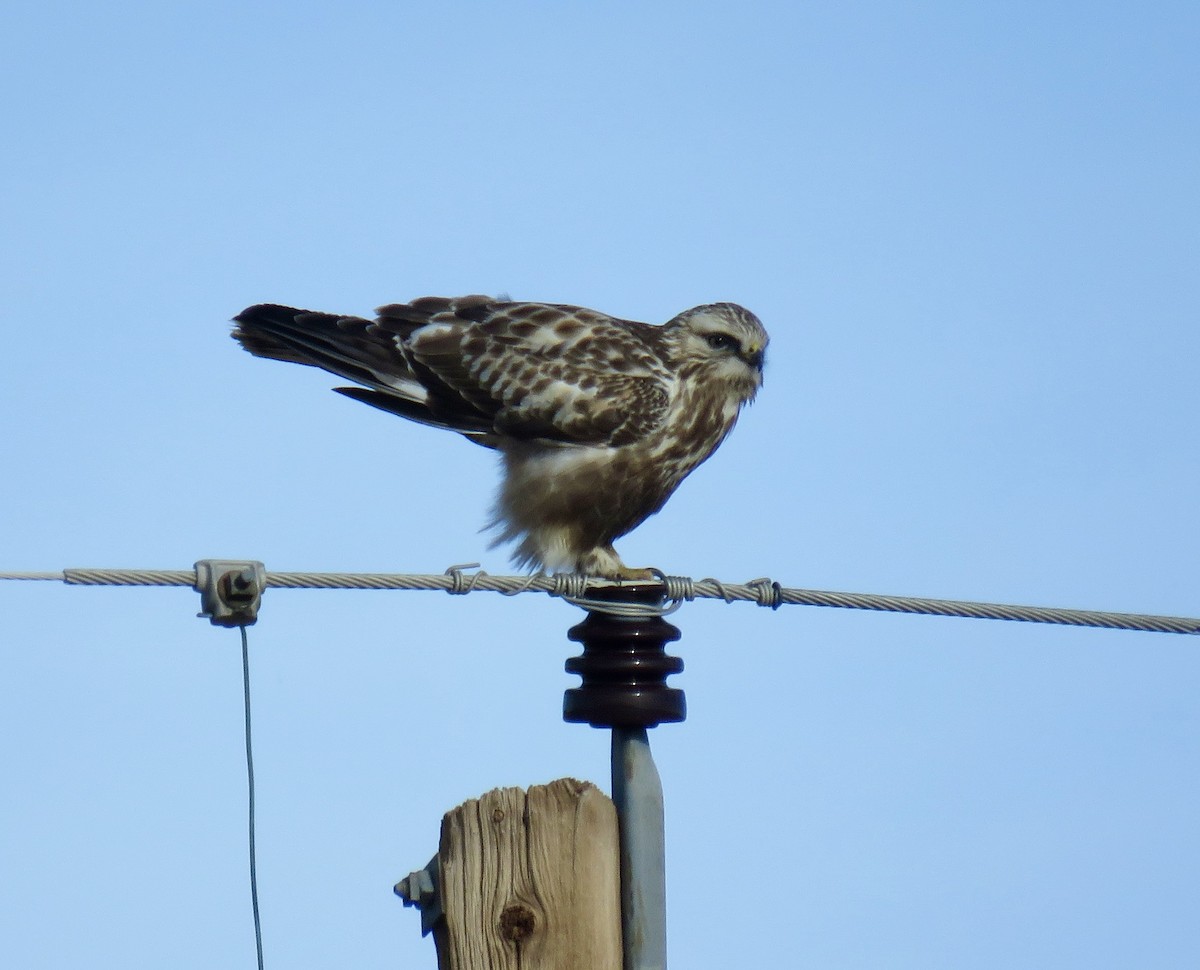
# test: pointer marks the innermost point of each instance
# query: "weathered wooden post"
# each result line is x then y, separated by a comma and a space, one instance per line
524, 881
557, 877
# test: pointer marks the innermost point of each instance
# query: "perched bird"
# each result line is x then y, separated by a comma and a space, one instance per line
597, 419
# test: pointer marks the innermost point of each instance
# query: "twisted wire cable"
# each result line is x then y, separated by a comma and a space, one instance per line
676, 590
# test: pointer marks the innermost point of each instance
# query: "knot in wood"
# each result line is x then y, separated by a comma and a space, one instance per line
517, 922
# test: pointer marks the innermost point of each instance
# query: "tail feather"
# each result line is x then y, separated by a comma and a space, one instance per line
341, 345
367, 352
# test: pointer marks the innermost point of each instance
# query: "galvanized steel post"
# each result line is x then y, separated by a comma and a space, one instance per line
637, 792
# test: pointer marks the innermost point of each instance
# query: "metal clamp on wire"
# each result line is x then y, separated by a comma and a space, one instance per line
230, 590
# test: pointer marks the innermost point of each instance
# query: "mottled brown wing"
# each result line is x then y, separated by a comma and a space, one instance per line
541, 371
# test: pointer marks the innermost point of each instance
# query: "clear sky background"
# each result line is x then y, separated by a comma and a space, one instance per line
973, 231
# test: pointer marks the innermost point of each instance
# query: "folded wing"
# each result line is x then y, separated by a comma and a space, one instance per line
492, 371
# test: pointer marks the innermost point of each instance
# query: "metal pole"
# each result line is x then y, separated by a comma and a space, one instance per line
637, 792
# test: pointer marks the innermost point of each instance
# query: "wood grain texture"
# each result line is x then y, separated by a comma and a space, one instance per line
531, 881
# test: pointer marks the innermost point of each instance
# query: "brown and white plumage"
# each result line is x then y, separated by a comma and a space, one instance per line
598, 420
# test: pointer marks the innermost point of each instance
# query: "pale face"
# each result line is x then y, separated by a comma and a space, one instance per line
727, 342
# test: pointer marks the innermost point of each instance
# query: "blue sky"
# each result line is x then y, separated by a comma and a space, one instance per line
972, 231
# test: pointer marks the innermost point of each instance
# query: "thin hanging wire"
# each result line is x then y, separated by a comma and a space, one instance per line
250, 786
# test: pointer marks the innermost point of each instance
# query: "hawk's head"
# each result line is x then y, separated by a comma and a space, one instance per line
719, 342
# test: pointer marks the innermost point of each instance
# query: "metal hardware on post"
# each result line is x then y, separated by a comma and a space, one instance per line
638, 795
624, 667
230, 590
420, 889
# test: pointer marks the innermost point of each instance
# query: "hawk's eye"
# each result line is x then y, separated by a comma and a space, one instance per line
721, 341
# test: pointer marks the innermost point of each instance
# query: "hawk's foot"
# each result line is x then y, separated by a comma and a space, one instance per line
628, 572
604, 561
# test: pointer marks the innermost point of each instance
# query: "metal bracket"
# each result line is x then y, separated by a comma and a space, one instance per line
230, 590
422, 889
